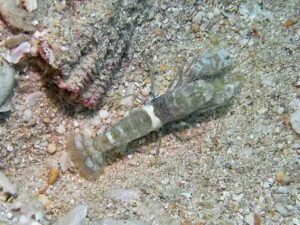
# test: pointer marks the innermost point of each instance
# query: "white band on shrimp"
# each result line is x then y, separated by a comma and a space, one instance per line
110, 138
156, 122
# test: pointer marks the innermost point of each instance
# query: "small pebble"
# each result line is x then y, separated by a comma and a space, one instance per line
24, 220
43, 199
281, 178
53, 175
296, 145
96, 121
9, 215
64, 162
33, 98
35, 223
133, 162
146, 91
257, 219
30, 5
289, 23
27, 115
262, 111
52, 148
47, 120
222, 184
201, 222
282, 190
281, 209
127, 101
198, 18
61, 129
267, 80
277, 130
16, 161
31, 122
103, 114
9, 148
121, 113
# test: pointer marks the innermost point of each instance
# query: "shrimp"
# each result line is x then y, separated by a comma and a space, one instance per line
203, 91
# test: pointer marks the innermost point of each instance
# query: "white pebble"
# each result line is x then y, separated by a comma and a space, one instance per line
9, 148
217, 11
249, 219
103, 114
27, 115
61, 129
30, 5
146, 91
281, 209
78, 141
76, 124
210, 15
127, 101
87, 132
64, 162
39, 215
33, 98
51, 148
35, 223
198, 18
9, 215
24, 220
96, 121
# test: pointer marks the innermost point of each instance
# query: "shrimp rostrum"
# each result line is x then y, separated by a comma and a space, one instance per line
200, 87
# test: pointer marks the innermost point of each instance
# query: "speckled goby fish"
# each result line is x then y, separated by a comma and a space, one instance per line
92, 154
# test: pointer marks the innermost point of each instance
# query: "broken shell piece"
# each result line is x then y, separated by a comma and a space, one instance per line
30, 5
19, 52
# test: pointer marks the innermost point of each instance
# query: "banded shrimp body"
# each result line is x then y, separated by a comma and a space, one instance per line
200, 87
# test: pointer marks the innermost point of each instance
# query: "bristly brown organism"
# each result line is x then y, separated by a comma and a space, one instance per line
85, 52
91, 63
